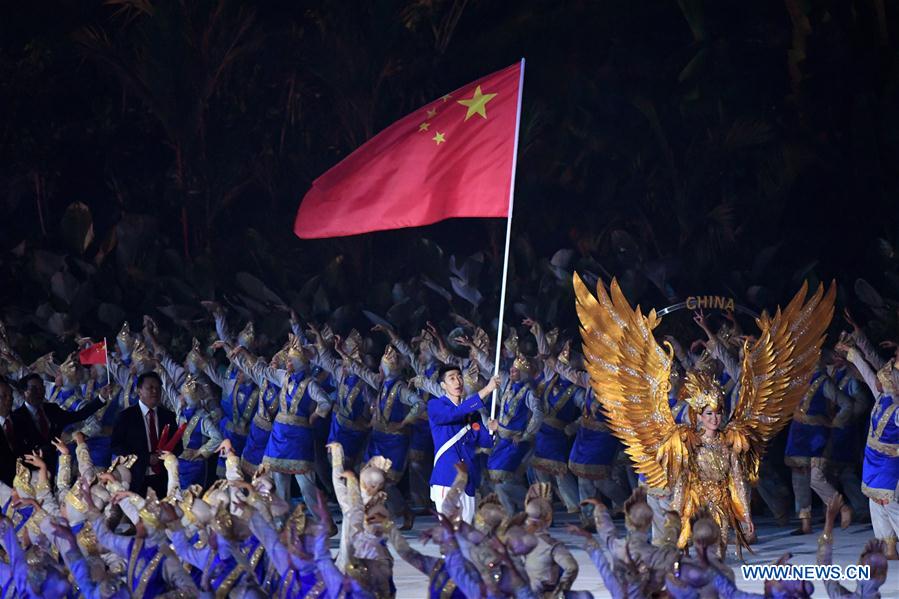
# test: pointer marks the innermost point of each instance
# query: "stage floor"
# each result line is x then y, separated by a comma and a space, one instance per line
773, 542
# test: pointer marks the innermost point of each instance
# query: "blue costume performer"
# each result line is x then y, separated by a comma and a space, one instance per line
880, 468
397, 408
421, 447
201, 436
844, 443
562, 403
290, 450
519, 417
240, 393
351, 419
823, 406
594, 450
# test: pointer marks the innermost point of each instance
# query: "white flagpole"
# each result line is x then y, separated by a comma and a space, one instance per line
502, 295
106, 355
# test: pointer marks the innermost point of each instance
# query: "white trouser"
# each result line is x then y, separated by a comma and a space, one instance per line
884, 519
438, 493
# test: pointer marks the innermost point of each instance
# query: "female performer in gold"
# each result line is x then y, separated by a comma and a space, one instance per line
706, 467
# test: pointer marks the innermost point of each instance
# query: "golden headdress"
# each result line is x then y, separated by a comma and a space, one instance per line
124, 461
75, 500
511, 342
222, 523
701, 390
391, 358
522, 362
69, 368
327, 334
481, 340
191, 387
140, 354
247, 335
195, 355
22, 480
279, 360
296, 523
150, 510
727, 334
352, 345
212, 493
125, 338
565, 355
186, 503
295, 349
552, 336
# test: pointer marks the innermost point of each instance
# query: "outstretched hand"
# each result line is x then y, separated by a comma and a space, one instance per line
578, 531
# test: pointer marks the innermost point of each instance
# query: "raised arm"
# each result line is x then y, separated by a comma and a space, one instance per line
221, 326
118, 544
278, 555
867, 349
120, 373
421, 562
257, 369
170, 391
731, 363
370, 378
581, 378
186, 550
854, 356
426, 384
329, 362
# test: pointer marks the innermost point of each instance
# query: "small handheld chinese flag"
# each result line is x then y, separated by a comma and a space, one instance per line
453, 157
95, 354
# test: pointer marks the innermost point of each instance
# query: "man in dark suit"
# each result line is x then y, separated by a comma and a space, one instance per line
137, 430
8, 446
38, 423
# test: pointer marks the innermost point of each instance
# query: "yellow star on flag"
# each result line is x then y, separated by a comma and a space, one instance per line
477, 104
446, 97
439, 138
424, 126
432, 113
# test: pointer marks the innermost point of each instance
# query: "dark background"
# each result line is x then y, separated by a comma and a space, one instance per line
153, 154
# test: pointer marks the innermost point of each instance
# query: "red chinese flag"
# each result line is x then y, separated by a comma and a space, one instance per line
451, 158
95, 354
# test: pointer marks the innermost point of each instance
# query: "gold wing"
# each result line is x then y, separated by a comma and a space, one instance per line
629, 375
775, 373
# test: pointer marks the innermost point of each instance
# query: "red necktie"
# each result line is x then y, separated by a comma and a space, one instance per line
10, 435
151, 425
154, 437
45, 425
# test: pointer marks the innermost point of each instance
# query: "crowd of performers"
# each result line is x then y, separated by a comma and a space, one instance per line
168, 477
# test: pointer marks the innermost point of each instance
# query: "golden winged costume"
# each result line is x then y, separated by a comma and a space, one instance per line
629, 373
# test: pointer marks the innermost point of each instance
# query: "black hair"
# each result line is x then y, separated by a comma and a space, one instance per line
23, 382
445, 368
3, 381
148, 375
